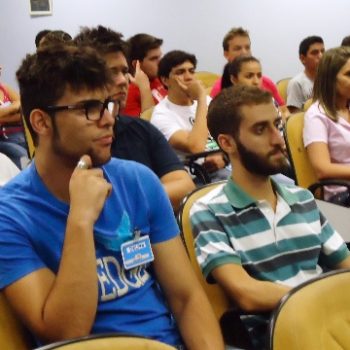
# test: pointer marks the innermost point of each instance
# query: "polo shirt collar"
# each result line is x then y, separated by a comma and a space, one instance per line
240, 199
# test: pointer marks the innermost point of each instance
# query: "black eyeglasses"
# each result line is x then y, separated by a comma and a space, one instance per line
94, 109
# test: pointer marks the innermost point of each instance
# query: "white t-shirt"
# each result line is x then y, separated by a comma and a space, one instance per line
8, 169
169, 118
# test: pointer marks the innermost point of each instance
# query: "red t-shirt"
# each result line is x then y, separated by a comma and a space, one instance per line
133, 102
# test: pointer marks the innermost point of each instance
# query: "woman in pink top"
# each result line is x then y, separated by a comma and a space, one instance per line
327, 122
247, 70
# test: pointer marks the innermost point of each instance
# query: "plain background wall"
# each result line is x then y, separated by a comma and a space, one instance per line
276, 27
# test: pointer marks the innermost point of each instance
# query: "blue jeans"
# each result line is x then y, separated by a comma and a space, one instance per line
15, 147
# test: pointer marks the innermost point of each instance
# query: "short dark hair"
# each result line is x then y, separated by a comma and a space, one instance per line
141, 43
44, 76
346, 41
239, 31
40, 35
173, 59
55, 37
102, 39
307, 42
224, 113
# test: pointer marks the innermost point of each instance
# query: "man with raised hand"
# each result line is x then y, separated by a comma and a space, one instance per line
182, 115
92, 243
145, 90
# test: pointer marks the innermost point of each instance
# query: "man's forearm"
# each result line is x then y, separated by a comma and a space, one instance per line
146, 97
199, 134
197, 317
71, 305
177, 185
261, 296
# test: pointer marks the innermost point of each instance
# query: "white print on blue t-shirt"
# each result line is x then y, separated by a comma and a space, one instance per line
115, 281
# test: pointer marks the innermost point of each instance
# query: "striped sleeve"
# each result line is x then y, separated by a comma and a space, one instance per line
212, 245
334, 248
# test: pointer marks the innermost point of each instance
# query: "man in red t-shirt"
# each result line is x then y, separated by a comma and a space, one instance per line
145, 89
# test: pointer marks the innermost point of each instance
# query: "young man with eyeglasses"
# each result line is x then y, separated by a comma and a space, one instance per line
87, 243
136, 139
255, 237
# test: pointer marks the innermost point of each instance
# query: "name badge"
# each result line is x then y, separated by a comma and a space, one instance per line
136, 252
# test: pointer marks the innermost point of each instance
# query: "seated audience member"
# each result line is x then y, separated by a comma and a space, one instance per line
55, 37
237, 43
346, 41
40, 36
327, 123
46, 37
136, 139
246, 70
300, 87
8, 169
12, 140
80, 215
256, 238
181, 116
145, 89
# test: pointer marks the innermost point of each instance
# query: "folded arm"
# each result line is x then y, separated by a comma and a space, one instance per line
250, 294
177, 185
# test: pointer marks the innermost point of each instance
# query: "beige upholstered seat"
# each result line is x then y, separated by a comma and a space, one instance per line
13, 335
207, 78
147, 114
314, 316
282, 86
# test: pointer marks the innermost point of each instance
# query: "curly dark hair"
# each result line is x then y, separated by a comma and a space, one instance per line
44, 76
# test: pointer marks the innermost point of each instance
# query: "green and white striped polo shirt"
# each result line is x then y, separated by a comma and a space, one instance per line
285, 246
288, 246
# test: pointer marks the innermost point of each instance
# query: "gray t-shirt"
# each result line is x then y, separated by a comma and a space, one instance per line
299, 90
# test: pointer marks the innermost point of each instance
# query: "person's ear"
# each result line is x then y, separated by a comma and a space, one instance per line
226, 55
227, 143
233, 79
41, 122
302, 59
164, 81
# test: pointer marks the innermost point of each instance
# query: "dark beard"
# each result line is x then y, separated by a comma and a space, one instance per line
70, 159
259, 165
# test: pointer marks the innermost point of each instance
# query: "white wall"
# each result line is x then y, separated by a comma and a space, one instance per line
198, 26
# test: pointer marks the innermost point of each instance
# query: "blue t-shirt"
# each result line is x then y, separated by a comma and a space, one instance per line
32, 229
